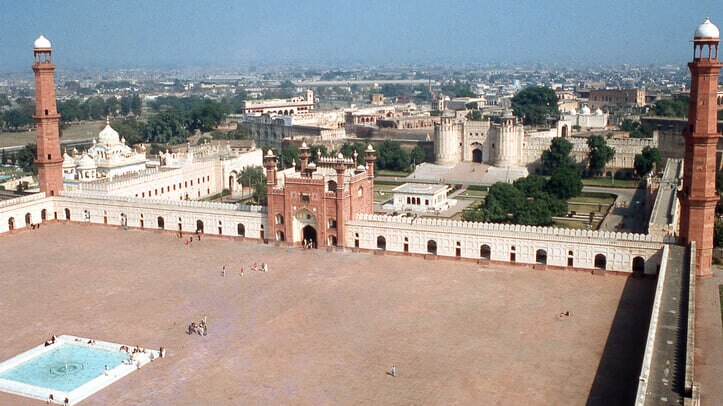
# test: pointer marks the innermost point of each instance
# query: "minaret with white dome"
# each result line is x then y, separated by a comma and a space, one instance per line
48, 160
698, 196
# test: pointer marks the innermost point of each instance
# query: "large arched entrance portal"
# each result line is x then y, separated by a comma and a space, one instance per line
309, 235
477, 155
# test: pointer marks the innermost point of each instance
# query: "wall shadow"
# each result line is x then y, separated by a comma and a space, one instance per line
616, 378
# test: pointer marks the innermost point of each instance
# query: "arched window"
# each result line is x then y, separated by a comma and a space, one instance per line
485, 252
332, 223
513, 254
360, 192
161, 222
600, 261
332, 240
432, 247
241, 230
331, 186
279, 219
43, 215
199, 226
123, 219
67, 214
381, 243
28, 219
638, 265
11, 223
541, 257
279, 235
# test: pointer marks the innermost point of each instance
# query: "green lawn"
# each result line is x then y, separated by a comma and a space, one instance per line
610, 183
580, 225
88, 129
471, 194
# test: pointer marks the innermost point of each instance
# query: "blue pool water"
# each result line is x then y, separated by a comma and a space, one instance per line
66, 367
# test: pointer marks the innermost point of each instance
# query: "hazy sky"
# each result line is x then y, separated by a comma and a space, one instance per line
161, 33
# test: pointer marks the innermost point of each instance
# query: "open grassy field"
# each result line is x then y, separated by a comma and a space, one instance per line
87, 129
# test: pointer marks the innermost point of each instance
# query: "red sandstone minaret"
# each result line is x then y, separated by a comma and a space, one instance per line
48, 160
699, 197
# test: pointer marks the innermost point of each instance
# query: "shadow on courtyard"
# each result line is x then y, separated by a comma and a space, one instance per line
616, 378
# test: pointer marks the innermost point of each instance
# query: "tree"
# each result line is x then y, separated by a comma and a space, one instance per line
130, 129
475, 214
502, 202
26, 158
166, 127
635, 129
253, 177
565, 183
599, 154
314, 151
391, 155
558, 155
718, 234
417, 155
348, 150
531, 186
474, 115
535, 104
206, 116
17, 118
646, 161
289, 154
678, 107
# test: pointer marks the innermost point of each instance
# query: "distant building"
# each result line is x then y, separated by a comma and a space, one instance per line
585, 119
376, 99
600, 98
285, 107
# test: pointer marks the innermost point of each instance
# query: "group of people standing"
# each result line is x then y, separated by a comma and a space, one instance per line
200, 328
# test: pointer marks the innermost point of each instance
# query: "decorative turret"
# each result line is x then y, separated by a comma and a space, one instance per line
370, 155
270, 164
304, 156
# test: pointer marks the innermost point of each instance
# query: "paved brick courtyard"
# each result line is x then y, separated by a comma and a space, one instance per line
319, 327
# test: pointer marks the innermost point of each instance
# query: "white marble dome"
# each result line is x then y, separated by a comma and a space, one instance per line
598, 112
41, 42
572, 112
707, 30
108, 136
585, 110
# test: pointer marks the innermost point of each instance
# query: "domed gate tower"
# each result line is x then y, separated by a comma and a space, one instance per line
699, 197
48, 159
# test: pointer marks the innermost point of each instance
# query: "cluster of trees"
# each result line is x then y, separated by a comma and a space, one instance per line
391, 156
677, 107
458, 89
535, 105
19, 117
532, 200
648, 159
93, 108
96, 108
636, 129
253, 177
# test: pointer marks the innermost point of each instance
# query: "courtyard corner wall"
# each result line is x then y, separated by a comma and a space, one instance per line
23, 211
548, 246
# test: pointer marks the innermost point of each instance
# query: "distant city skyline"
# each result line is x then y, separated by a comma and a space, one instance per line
90, 35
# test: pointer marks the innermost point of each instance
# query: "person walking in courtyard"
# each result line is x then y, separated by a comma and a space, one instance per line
223, 271
242, 271
394, 371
